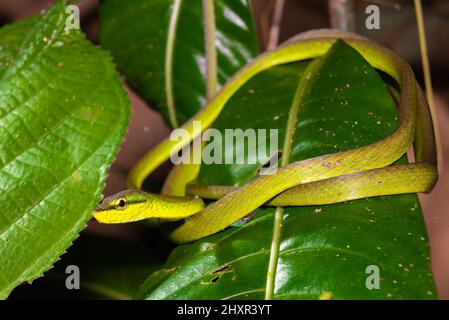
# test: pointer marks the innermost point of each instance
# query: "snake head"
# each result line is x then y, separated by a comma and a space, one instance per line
119, 207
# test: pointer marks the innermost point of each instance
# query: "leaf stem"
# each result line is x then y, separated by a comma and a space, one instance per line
171, 35
211, 51
286, 155
274, 253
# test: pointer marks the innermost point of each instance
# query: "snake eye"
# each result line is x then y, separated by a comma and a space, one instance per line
120, 204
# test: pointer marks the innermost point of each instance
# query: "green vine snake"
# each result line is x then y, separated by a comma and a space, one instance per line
358, 173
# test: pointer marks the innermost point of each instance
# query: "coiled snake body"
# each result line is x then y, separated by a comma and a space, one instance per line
331, 178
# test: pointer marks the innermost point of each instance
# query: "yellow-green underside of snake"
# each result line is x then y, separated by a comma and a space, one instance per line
354, 174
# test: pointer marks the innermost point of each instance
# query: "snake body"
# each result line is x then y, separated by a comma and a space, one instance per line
331, 178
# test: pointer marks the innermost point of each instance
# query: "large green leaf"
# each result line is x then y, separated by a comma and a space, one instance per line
63, 114
136, 34
325, 250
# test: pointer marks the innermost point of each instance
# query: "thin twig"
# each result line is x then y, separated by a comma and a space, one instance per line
276, 21
171, 36
211, 51
427, 74
342, 14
